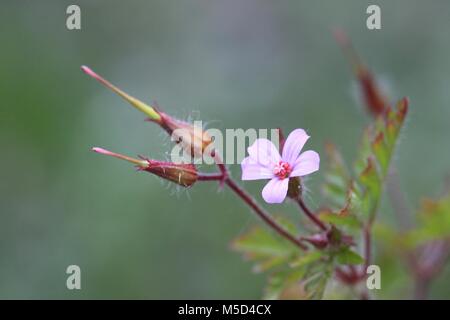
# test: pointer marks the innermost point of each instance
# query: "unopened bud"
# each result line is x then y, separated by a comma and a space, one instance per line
335, 237
183, 174
294, 188
319, 240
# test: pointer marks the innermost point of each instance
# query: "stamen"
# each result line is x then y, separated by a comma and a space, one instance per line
282, 170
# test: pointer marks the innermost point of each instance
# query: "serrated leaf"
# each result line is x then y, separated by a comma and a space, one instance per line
382, 139
433, 224
316, 282
381, 152
369, 178
264, 247
306, 259
261, 242
371, 182
287, 224
266, 263
279, 281
340, 220
364, 150
395, 240
434, 220
304, 282
348, 257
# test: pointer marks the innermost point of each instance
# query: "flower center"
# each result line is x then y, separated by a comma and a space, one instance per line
282, 170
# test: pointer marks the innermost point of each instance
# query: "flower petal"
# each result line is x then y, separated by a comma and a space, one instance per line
264, 152
251, 170
293, 145
308, 162
275, 190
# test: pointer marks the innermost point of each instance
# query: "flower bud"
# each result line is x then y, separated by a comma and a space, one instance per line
294, 188
183, 174
319, 240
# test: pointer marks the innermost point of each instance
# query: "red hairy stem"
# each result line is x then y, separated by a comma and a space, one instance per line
224, 177
222, 167
427, 265
310, 214
241, 193
210, 176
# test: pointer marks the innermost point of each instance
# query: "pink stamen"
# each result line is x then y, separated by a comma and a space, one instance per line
282, 170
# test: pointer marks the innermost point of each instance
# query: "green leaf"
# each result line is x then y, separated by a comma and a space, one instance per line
347, 256
264, 247
286, 224
378, 147
261, 242
395, 241
278, 283
316, 281
381, 152
371, 184
434, 220
362, 194
337, 178
364, 150
340, 220
433, 223
306, 281
306, 259
295, 275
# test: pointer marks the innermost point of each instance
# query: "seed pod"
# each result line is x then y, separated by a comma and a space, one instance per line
183, 174
193, 139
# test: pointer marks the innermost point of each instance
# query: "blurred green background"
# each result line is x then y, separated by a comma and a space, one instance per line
233, 64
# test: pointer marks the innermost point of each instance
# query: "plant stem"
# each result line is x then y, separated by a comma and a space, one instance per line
224, 177
428, 265
310, 214
367, 246
210, 176
263, 214
222, 167
421, 287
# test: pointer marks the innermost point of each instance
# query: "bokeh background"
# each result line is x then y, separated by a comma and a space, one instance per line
234, 64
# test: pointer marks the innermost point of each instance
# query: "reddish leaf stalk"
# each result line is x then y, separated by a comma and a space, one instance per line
421, 288
310, 214
263, 214
224, 177
210, 176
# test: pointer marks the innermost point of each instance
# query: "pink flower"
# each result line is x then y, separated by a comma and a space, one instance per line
265, 162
